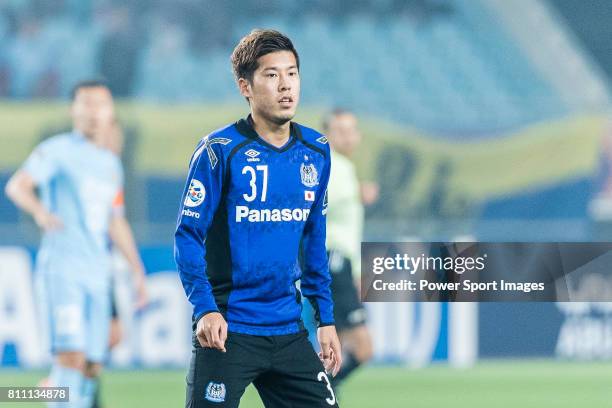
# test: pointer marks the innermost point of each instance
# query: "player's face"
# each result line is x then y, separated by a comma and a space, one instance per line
343, 134
92, 111
274, 91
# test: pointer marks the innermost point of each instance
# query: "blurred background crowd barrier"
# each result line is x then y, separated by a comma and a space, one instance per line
485, 119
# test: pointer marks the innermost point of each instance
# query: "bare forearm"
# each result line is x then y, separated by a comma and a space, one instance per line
121, 234
122, 237
20, 190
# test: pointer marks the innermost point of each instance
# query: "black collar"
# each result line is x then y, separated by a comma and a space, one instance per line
245, 128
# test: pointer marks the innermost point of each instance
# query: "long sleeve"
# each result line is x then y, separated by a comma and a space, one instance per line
316, 280
200, 201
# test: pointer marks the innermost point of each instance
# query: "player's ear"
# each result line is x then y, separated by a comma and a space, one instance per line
245, 87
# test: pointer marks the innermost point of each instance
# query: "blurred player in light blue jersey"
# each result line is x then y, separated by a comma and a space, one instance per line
79, 205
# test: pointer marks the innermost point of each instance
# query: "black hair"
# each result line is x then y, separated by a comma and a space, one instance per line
327, 118
255, 45
88, 83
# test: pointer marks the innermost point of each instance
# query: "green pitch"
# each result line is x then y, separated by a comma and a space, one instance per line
535, 384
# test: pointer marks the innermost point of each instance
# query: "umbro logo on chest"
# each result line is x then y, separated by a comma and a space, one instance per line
252, 155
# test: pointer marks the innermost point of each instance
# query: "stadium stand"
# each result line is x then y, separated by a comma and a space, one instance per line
455, 70
447, 65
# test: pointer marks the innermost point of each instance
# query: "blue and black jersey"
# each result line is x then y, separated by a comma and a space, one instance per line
250, 212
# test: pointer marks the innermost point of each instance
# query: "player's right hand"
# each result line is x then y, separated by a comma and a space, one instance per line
331, 353
48, 221
211, 331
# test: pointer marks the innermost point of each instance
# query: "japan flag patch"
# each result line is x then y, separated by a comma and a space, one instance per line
309, 195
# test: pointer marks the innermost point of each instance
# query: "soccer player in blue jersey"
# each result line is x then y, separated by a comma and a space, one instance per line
78, 206
254, 204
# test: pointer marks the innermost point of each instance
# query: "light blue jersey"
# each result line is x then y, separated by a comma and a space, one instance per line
80, 183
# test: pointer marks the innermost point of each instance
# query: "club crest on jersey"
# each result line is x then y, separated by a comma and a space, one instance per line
195, 194
309, 175
215, 392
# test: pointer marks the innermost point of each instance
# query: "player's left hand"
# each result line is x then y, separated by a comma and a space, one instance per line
331, 353
142, 297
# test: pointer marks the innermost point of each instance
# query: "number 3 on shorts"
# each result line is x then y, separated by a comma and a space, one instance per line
322, 376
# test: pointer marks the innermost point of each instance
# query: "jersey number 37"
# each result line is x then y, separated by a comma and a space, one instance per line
252, 172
